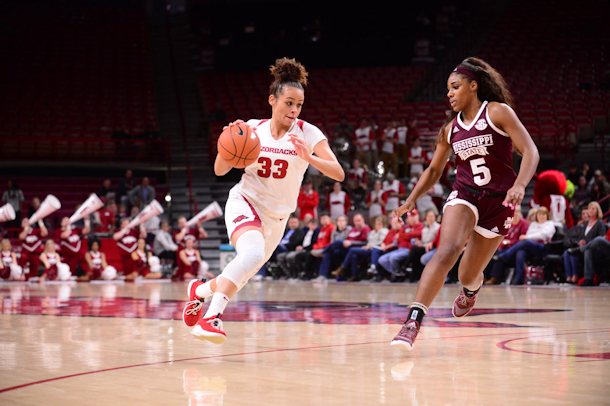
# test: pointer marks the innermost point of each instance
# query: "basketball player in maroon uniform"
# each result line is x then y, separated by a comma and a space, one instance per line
481, 129
127, 243
186, 233
71, 244
32, 246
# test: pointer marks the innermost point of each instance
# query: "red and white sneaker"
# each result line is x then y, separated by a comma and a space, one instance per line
210, 329
192, 308
406, 336
463, 304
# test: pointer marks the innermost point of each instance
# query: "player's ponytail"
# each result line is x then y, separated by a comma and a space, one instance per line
287, 72
492, 86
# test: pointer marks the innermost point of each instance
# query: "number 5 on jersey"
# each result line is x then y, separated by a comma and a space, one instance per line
481, 173
265, 171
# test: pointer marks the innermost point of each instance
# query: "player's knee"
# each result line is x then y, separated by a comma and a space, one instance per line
253, 258
448, 254
250, 248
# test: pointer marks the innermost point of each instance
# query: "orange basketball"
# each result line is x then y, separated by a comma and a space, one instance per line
239, 146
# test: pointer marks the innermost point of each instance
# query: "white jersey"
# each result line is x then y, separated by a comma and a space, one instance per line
338, 203
272, 183
388, 145
363, 138
402, 135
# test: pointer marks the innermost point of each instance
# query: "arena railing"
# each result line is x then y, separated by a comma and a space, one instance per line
78, 149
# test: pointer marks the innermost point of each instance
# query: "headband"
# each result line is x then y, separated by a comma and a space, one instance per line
467, 72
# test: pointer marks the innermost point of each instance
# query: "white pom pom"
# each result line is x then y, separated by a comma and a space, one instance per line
155, 264
63, 272
109, 273
16, 271
203, 269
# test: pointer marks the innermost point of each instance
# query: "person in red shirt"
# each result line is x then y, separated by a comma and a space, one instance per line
72, 249
107, 218
518, 228
309, 258
186, 233
337, 250
389, 244
32, 246
127, 241
391, 261
308, 201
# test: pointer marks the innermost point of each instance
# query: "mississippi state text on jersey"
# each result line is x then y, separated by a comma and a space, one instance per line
483, 153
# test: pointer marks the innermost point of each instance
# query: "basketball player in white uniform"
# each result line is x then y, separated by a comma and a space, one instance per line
259, 206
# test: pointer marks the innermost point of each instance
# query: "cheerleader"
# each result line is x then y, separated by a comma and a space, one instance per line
9, 269
54, 269
145, 264
190, 265
98, 268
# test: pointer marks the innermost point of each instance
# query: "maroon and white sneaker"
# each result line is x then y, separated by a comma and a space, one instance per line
463, 304
406, 336
192, 308
210, 329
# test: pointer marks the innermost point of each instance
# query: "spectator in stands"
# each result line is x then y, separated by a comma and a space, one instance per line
144, 263
338, 202
51, 261
598, 177
107, 191
596, 253
394, 192
337, 250
107, 218
308, 200
14, 196
293, 237
376, 200
417, 157
418, 247
357, 182
307, 259
518, 228
70, 243
586, 172
402, 147
9, 268
374, 138
582, 192
127, 240
530, 245
339, 233
193, 233
389, 244
426, 202
143, 194
164, 245
32, 246
190, 264
289, 261
392, 261
34, 206
595, 227
97, 264
388, 149
597, 193
371, 251
572, 174
134, 212
126, 185
364, 138
431, 248
343, 129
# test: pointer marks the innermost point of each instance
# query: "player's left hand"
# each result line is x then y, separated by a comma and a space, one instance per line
514, 196
299, 146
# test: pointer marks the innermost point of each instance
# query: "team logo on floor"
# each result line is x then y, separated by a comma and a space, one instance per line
312, 312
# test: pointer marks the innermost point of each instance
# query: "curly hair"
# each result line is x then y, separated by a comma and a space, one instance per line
287, 72
492, 86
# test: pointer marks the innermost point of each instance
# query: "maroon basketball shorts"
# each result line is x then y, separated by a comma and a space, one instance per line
492, 218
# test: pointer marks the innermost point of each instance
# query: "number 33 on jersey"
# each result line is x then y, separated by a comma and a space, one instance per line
274, 180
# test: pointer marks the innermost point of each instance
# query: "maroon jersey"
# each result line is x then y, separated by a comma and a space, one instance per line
484, 153
72, 244
193, 234
128, 243
32, 242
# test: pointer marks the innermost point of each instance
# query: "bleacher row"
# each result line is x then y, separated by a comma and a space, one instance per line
74, 71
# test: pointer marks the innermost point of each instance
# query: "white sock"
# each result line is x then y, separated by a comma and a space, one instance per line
204, 290
217, 306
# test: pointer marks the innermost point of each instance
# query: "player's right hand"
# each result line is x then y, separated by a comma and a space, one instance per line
407, 207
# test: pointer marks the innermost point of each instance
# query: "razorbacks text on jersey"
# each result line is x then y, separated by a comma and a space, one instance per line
272, 182
484, 153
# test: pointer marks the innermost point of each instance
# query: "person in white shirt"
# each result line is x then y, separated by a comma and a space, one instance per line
388, 149
164, 245
402, 146
258, 208
394, 192
364, 140
338, 202
417, 157
530, 245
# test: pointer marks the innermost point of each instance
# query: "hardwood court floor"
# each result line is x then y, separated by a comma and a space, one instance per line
302, 344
